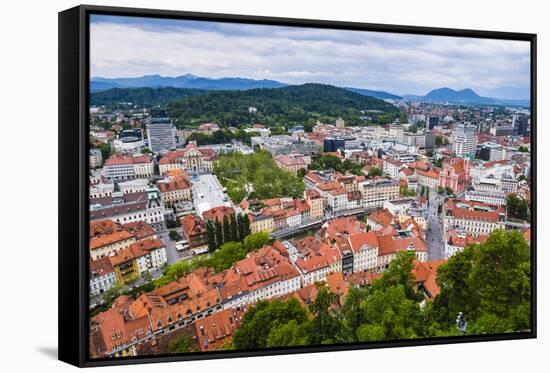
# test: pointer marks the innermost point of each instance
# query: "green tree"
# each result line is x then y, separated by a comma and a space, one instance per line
182, 344
105, 150
174, 235
225, 256
245, 224
352, 312
517, 207
112, 293
256, 241
211, 234
389, 315
325, 328
289, 334
219, 233
399, 272
374, 171
489, 283
226, 228
259, 321
301, 173
234, 228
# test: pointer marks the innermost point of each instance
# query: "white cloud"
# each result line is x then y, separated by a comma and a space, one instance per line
398, 63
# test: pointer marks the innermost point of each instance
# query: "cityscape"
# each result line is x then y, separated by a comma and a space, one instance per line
271, 209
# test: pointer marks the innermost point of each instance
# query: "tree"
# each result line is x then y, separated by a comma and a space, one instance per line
438, 140
234, 228
256, 241
374, 171
105, 150
289, 334
517, 207
174, 235
301, 173
352, 312
489, 283
146, 151
225, 256
399, 272
241, 226
523, 149
226, 228
389, 315
264, 317
325, 327
211, 234
219, 232
112, 293
245, 222
182, 344
146, 276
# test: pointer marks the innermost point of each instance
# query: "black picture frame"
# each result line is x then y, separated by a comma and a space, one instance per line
73, 181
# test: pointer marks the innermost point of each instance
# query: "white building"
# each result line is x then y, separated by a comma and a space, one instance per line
123, 167
376, 191
102, 276
365, 251
133, 186
464, 140
96, 159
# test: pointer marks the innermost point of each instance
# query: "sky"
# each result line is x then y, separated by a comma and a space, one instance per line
395, 63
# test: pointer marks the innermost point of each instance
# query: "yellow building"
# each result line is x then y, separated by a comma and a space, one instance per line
262, 224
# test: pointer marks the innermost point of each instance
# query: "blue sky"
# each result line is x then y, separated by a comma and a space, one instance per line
397, 63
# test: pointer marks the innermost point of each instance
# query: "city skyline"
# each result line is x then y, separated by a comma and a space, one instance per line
396, 63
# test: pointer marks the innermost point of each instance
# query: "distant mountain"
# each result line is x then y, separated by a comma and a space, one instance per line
464, 96
378, 94
293, 104
183, 81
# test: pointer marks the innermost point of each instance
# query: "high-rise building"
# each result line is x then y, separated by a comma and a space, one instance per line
431, 122
340, 123
464, 140
520, 122
161, 134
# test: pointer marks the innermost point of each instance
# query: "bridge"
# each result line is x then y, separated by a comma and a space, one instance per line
289, 231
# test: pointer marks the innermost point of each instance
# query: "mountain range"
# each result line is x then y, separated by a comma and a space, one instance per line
182, 81
98, 84
190, 81
464, 96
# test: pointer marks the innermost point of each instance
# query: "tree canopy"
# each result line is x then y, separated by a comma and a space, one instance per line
255, 175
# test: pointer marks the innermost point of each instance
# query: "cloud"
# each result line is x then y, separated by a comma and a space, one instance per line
399, 63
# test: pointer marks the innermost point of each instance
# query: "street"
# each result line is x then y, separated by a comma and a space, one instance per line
172, 255
208, 193
434, 233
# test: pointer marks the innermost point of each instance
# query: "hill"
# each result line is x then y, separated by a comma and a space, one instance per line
182, 81
378, 94
298, 104
464, 96
147, 97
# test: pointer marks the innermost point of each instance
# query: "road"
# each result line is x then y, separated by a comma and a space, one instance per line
434, 234
212, 193
172, 255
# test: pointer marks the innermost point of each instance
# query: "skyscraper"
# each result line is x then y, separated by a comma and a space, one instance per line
464, 140
520, 122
